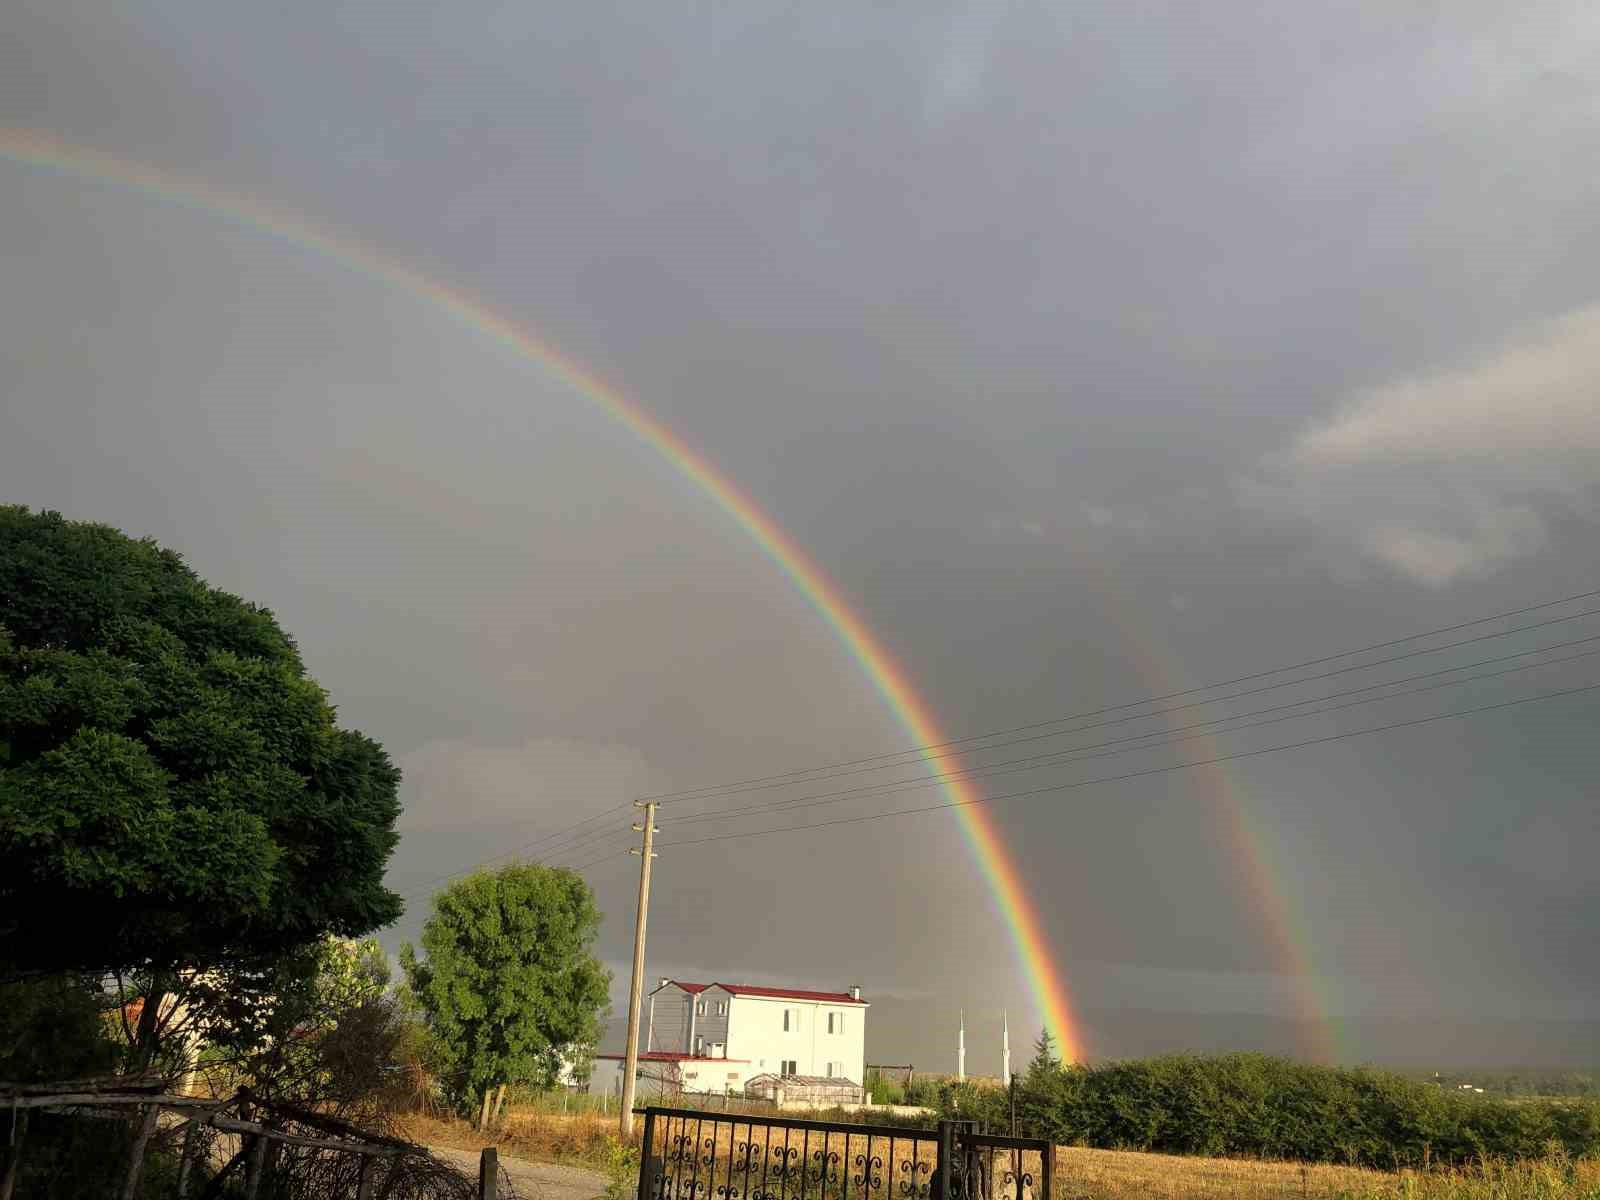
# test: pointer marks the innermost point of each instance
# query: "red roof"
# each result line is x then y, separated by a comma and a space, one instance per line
740, 989
671, 1056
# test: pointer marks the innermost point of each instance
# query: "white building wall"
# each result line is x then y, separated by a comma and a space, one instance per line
713, 1075
756, 1034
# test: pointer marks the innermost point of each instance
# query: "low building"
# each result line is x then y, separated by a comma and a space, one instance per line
806, 1091
664, 1073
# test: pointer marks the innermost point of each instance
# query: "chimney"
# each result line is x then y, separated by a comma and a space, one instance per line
855, 992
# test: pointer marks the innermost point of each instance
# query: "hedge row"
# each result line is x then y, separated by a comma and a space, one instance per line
1252, 1105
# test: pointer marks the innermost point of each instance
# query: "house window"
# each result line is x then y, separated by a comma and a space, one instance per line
698, 1043
836, 1022
722, 1008
791, 1020
788, 1067
700, 1008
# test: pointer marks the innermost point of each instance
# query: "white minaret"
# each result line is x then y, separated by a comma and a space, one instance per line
1005, 1049
961, 1047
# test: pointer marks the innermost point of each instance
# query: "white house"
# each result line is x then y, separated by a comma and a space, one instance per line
662, 1073
768, 1031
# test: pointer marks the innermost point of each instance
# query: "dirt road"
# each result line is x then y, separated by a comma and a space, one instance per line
534, 1180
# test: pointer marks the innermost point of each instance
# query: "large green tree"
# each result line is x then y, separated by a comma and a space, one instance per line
174, 792
510, 981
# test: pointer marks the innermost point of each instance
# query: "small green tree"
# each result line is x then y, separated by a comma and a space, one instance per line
320, 1023
510, 981
1045, 1059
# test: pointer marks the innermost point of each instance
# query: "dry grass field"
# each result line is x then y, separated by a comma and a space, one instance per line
1081, 1174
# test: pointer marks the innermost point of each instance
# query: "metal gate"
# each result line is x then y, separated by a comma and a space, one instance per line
690, 1155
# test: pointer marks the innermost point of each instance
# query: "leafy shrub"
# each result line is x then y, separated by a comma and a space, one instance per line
1252, 1105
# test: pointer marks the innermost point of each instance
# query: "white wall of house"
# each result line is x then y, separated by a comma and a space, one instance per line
799, 1037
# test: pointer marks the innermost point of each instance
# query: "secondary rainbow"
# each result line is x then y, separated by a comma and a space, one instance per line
1045, 978
1263, 889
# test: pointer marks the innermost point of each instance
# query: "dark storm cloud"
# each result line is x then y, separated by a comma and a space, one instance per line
1097, 350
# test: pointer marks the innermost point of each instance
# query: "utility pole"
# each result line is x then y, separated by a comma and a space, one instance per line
630, 1062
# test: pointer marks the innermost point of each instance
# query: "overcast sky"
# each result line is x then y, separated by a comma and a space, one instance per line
1096, 350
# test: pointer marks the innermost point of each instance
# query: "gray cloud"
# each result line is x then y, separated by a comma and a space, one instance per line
1095, 352
545, 781
1449, 473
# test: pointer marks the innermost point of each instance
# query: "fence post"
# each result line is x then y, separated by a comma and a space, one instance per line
647, 1164
253, 1166
943, 1162
1047, 1169
19, 1134
141, 1140
488, 1173
364, 1179
186, 1156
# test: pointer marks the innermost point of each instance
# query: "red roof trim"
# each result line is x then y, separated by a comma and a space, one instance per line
740, 989
671, 1056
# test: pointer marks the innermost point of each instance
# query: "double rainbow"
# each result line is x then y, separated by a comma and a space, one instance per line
1039, 965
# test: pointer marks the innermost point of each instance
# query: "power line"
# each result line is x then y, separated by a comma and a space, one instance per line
1221, 758
520, 848
420, 891
558, 833
1164, 737
597, 861
736, 786
568, 841
1255, 691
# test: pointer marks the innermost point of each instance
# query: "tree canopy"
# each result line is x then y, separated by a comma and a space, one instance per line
1045, 1058
173, 788
510, 981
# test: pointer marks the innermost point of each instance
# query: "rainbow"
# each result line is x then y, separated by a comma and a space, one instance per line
1039, 966
1263, 889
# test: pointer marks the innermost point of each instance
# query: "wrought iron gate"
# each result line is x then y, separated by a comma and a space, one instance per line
690, 1155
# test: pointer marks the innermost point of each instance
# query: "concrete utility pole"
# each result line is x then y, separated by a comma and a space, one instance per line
630, 1063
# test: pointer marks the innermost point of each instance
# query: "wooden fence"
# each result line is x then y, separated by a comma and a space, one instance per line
261, 1125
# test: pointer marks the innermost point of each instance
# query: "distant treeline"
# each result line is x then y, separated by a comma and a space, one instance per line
1252, 1105
1520, 1081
